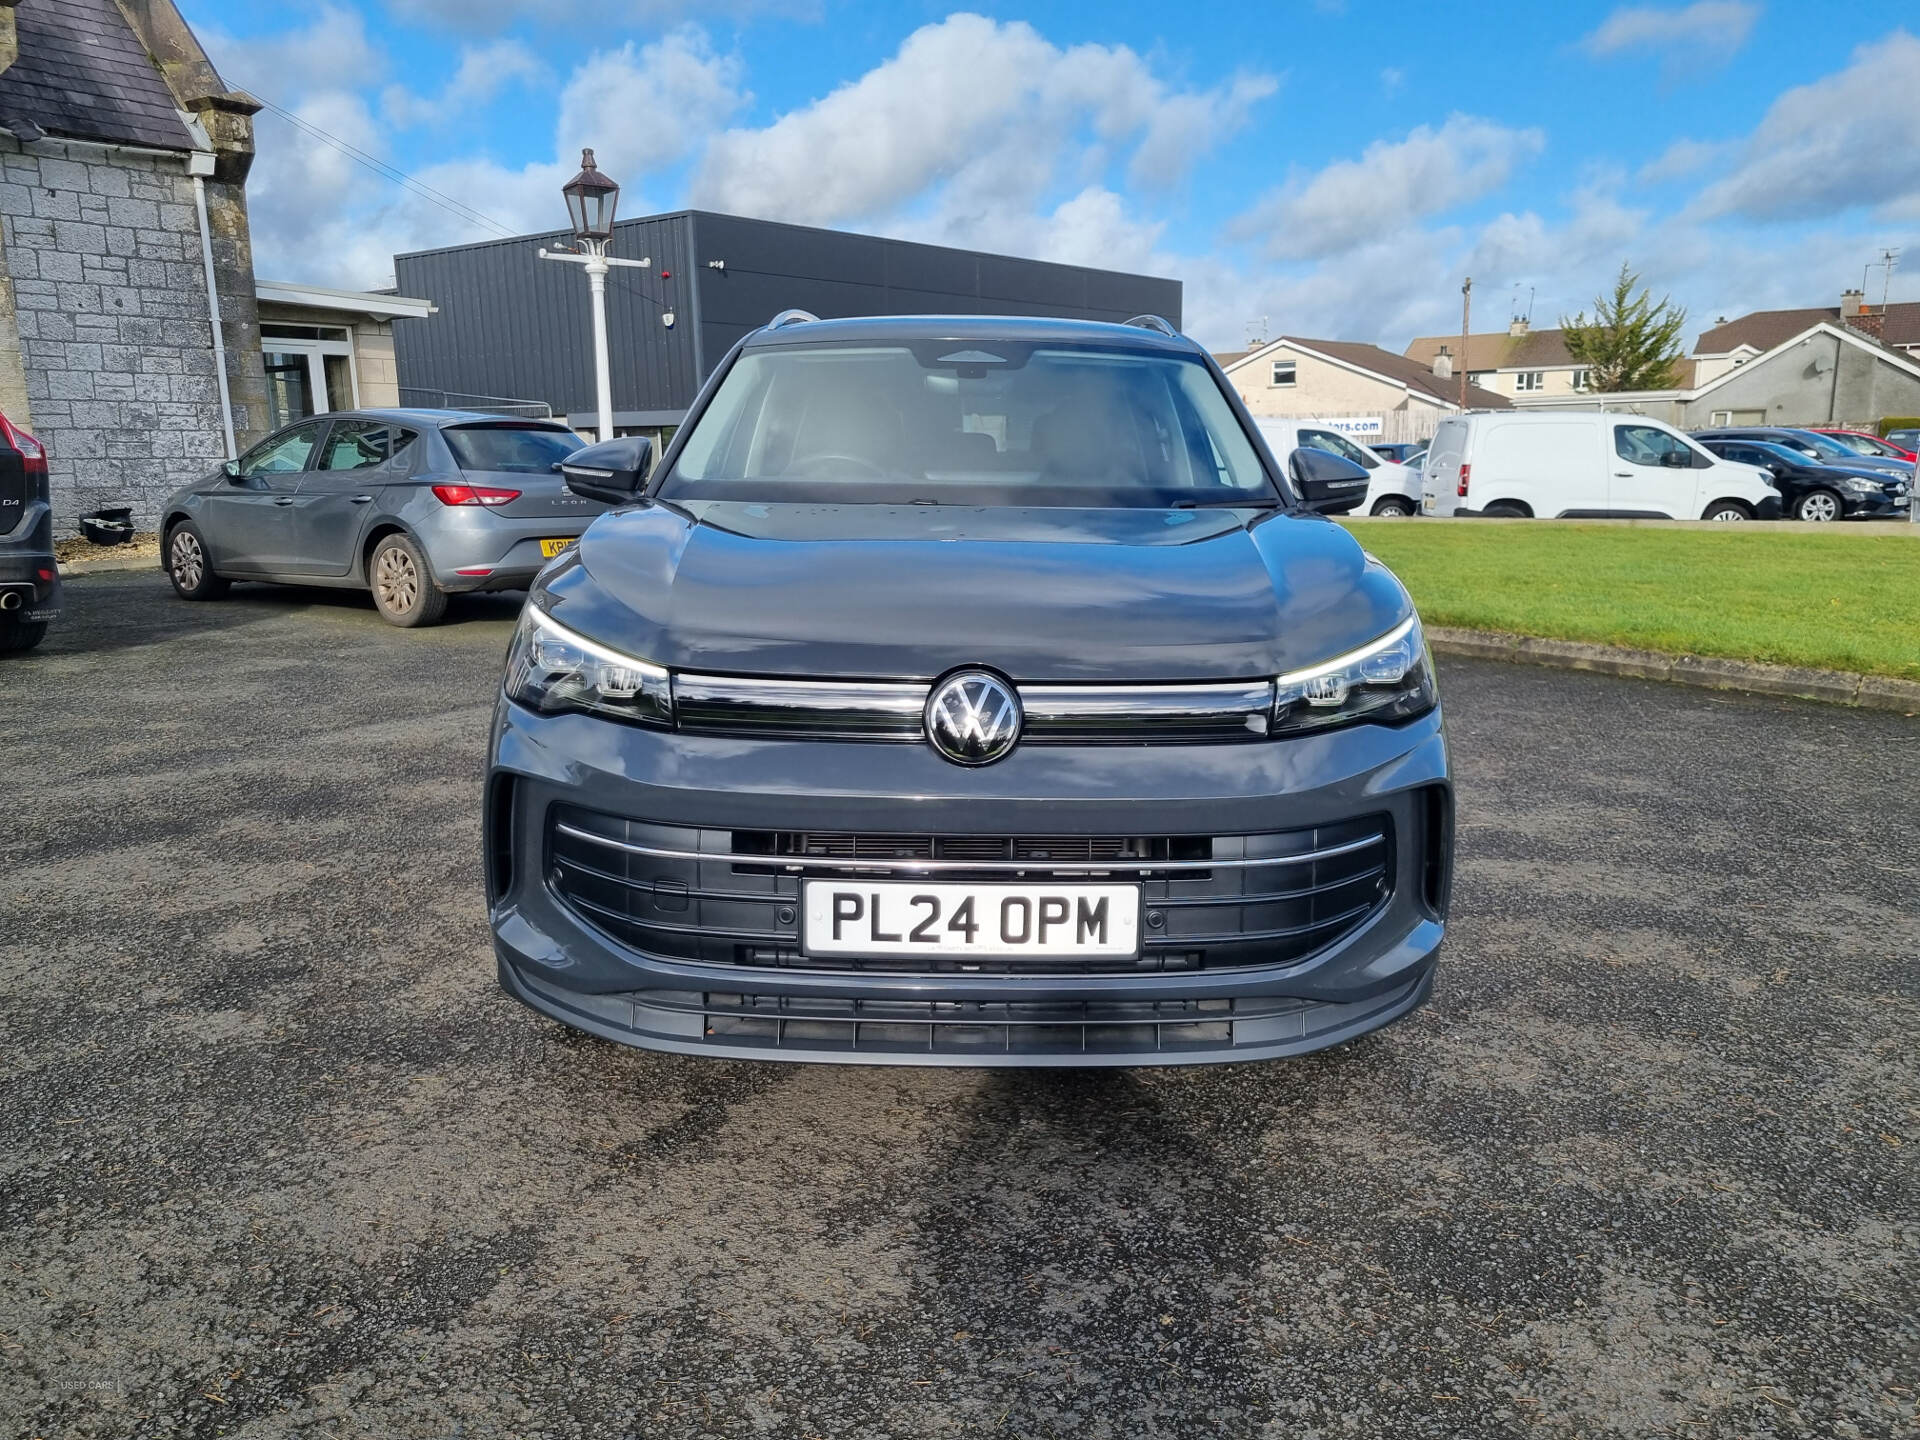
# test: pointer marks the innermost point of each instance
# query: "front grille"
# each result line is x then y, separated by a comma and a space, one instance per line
972, 1027
727, 897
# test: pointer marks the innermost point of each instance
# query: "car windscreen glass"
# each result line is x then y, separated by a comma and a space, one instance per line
969, 423
1824, 447
515, 449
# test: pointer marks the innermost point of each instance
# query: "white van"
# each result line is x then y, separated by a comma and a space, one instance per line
1393, 489
1585, 463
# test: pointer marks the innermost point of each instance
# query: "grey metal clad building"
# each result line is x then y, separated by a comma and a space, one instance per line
512, 326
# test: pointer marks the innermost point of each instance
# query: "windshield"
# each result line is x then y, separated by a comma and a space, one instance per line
1824, 446
516, 449
969, 423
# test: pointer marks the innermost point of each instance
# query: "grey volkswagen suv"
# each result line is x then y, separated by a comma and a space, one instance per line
413, 505
968, 691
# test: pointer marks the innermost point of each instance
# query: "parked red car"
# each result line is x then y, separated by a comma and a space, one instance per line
29, 577
1867, 443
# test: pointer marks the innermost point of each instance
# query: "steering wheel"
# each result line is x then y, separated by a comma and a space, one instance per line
852, 462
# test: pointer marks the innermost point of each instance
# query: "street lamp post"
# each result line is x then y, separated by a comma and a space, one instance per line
591, 198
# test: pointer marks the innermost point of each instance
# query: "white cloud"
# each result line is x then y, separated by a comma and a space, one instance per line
331, 52
993, 113
1353, 201
1848, 141
1707, 29
648, 106
1681, 159
484, 71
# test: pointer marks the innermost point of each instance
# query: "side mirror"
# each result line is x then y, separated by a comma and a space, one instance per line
1327, 483
1676, 459
231, 470
613, 472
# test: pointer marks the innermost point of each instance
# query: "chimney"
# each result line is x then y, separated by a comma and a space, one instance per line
1852, 302
1518, 326
1443, 364
1869, 322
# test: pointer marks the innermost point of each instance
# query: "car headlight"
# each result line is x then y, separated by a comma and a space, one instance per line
1860, 485
550, 668
1389, 679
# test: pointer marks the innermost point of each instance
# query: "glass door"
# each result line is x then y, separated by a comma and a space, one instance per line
308, 373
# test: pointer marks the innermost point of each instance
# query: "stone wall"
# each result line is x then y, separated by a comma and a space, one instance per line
109, 294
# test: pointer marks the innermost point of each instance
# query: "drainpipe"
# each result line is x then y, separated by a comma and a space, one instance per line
200, 165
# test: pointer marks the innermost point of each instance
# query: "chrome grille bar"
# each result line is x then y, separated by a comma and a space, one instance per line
893, 710
1051, 867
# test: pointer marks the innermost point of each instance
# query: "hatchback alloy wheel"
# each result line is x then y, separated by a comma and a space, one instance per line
1820, 505
396, 580
189, 561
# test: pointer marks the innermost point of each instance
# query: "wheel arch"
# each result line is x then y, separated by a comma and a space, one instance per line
1522, 506
381, 530
1733, 500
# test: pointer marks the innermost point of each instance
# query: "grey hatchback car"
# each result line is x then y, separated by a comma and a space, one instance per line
413, 505
968, 691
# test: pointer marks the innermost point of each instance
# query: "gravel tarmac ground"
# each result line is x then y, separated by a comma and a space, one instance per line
277, 1158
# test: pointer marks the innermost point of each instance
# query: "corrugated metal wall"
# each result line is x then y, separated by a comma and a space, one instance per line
512, 324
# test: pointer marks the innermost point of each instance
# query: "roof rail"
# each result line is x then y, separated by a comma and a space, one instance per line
1154, 322
791, 317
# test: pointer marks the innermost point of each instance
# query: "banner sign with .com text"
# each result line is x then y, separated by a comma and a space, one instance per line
1361, 426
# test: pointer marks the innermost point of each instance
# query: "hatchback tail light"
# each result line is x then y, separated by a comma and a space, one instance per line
473, 495
1466, 471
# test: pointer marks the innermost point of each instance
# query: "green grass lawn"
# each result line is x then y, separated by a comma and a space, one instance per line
1748, 592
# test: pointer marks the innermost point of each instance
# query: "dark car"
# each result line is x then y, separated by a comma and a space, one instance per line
1817, 491
1862, 442
968, 691
29, 576
1399, 452
1820, 449
413, 505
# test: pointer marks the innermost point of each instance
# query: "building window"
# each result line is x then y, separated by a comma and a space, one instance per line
1480, 377
1529, 380
1580, 378
1283, 372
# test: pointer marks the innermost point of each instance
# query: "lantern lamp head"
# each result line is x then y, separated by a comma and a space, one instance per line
591, 198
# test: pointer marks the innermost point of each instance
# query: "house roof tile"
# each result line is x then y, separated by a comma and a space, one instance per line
83, 73
1764, 329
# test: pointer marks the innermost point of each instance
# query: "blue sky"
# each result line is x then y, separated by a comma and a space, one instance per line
1325, 168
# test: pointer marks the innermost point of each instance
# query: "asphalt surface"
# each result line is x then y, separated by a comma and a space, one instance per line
278, 1158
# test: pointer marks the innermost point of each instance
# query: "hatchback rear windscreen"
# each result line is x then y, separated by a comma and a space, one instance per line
970, 422
516, 449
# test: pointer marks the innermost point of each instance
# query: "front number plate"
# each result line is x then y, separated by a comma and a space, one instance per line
551, 548
909, 918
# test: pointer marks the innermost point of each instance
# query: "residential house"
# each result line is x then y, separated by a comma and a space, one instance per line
1368, 392
1828, 373
129, 340
1522, 363
1732, 343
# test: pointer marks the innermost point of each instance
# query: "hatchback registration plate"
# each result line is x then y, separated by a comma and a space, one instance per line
551, 548
848, 917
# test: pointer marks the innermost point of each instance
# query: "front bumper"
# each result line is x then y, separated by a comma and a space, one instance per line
1878, 506
553, 956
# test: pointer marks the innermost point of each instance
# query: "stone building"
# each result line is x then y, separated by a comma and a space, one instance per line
129, 333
